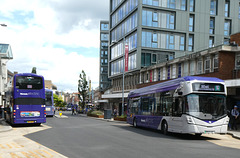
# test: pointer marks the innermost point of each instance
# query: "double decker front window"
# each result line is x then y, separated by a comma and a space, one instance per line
205, 106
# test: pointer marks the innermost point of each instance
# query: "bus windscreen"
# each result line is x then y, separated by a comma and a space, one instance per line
29, 82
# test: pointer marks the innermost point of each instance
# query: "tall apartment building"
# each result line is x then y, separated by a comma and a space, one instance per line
161, 30
104, 82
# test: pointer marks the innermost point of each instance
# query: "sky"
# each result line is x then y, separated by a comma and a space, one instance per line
58, 37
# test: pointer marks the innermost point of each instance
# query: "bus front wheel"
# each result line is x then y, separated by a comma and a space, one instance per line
134, 122
165, 128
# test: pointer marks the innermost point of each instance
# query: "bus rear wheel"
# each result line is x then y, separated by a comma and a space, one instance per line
165, 128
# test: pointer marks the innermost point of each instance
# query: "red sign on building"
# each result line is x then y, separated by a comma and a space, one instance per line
151, 75
126, 58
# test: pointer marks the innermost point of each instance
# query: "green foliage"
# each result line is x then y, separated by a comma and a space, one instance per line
95, 112
122, 116
82, 88
58, 101
34, 70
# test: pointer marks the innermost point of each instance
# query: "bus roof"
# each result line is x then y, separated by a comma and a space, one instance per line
27, 74
169, 85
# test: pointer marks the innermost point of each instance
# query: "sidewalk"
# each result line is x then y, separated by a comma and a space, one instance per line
4, 127
235, 133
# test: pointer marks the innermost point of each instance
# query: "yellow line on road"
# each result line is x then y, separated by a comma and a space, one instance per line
3, 147
13, 155
47, 153
15, 145
34, 155
26, 154
40, 153
9, 146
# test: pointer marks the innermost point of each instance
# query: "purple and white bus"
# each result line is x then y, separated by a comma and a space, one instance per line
185, 105
50, 109
26, 101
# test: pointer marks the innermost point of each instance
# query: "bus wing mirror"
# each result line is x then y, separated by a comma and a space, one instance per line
180, 93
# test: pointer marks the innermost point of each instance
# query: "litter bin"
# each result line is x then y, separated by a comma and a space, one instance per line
107, 114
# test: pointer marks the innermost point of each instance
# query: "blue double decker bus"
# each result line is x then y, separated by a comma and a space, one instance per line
26, 100
50, 109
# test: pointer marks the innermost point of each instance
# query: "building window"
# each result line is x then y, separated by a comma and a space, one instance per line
199, 67
211, 42
191, 9
215, 63
192, 67
169, 72
159, 74
171, 42
238, 61
190, 43
191, 22
104, 37
174, 71
146, 59
172, 4
183, 5
227, 28
239, 11
102, 52
226, 41
104, 27
154, 58
185, 69
162, 19
213, 7
212, 25
155, 19
179, 70
155, 3
226, 9
182, 43
154, 40
207, 65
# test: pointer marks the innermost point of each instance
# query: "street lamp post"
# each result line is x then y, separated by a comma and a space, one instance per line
123, 76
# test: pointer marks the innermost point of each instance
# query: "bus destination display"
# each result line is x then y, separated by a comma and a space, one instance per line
209, 87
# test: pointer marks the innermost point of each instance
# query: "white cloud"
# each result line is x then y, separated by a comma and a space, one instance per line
34, 40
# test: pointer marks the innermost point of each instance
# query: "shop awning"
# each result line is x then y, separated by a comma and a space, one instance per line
112, 96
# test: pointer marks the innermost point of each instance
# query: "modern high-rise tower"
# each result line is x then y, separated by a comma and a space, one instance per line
160, 30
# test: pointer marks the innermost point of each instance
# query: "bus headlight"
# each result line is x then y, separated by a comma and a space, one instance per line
226, 121
189, 120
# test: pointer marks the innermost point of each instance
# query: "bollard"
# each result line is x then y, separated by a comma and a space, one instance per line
60, 113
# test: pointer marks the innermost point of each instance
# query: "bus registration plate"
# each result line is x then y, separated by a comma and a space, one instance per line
30, 121
48, 109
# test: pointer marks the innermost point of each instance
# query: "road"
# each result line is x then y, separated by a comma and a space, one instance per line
84, 137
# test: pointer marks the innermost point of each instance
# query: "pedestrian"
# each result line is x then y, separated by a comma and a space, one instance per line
115, 112
72, 109
234, 117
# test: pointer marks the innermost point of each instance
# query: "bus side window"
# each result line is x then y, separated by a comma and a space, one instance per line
167, 106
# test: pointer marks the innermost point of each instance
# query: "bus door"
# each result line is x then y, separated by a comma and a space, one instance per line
133, 107
176, 119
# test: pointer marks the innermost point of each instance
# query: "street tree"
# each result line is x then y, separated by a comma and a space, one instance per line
58, 101
82, 89
34, 70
